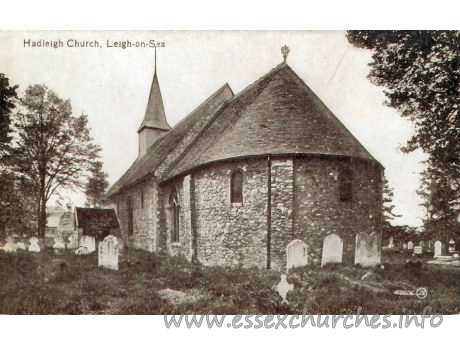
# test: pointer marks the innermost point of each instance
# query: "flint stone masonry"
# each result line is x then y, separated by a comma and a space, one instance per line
108, 252
297, 254
367, 252
332, 249
318, 210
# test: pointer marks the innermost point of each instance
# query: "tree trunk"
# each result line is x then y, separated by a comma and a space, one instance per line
42, 208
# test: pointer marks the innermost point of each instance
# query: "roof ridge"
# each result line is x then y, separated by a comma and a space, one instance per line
221, 110
330, 114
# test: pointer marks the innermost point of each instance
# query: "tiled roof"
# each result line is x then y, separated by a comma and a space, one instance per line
278, 114
155, 112
170, 146
90, 219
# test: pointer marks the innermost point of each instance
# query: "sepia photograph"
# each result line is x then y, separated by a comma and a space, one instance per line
230, 173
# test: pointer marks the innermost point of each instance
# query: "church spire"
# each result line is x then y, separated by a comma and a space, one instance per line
154, 123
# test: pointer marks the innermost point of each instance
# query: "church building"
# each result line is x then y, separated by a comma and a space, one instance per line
243, 175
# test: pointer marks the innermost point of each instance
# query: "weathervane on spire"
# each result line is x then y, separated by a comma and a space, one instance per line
285, 51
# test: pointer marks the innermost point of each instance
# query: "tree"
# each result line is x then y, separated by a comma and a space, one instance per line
420, 73
53, 149
8, 97
387, 207
96, 185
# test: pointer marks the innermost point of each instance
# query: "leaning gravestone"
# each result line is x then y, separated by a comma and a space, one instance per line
89, 243
367, 251
284, 287
108, 253
297, 254
332, 249
410, 245
34, 247
437, 249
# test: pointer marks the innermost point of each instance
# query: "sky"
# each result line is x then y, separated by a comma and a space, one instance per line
111, 85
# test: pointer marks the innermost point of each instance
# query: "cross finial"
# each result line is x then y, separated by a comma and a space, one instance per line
285, 51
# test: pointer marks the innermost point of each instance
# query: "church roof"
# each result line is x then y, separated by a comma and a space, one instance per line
170, 146
278, 114
155, 113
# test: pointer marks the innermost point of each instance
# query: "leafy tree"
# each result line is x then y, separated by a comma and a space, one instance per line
8, 97
96, 185
54, 148
420, 73
388, 207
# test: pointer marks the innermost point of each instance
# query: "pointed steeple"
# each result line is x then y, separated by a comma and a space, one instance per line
154, 124
155, 113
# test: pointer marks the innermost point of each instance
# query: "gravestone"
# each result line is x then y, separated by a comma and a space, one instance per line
422, 244
34, 247
59, 243
81, 251
89, 243
451, 246
410, 245
108, 253
437, 249
332, 249
367, 249
418, 250
73, 241
404, 246
297, 254
20, 245
284, 287
391, 243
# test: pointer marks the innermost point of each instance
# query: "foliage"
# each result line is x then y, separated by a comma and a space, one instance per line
96, 185
53, 148
7, 104
420, 73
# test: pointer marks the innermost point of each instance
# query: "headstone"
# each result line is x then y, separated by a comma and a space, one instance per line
422, 244
89, 242
367, 249
284, 287
73, 241
437, 249
20, 245
108, 253
418, 250
81, 251
59, 243
332, 249
9, 246
410, 245
34, 247
404, 246
451, 246
391, 243
297, 254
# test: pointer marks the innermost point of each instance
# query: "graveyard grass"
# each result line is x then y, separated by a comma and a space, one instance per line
49, 283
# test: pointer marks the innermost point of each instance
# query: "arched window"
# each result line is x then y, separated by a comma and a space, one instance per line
174, 216
236, 187
345, 185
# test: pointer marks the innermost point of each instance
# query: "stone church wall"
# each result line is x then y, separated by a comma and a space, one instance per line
231, 234
144, 219
318, 210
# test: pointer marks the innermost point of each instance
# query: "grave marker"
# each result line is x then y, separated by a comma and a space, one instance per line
108, 253
297, 254
332, 249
